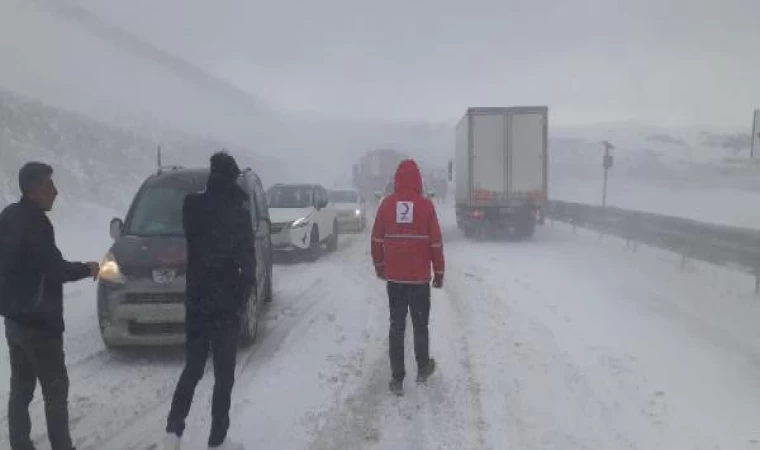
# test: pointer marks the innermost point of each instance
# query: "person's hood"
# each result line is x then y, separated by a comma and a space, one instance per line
287, 215
408, 178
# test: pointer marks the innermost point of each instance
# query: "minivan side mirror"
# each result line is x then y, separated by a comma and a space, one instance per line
116, 228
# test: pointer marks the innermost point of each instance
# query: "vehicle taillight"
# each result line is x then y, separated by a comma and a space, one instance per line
477, 213
537, 196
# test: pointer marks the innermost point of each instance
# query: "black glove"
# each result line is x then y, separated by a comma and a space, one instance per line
438, 281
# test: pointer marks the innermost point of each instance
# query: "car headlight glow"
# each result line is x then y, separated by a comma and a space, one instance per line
358, 212
300, 223
110, 271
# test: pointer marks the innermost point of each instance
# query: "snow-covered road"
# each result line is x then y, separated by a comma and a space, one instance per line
563, 342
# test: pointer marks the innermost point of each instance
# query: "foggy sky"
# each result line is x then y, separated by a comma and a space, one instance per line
668, 62
665, 62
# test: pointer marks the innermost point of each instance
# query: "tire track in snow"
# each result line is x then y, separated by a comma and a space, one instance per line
148, 426
558, 374
142, 384
446, 413
329, 354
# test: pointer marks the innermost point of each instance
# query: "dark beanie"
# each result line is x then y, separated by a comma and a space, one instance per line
224, 165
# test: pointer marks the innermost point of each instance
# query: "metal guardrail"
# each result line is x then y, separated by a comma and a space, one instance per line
737, 248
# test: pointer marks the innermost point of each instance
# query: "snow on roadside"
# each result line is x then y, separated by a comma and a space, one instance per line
564, 341
582, 345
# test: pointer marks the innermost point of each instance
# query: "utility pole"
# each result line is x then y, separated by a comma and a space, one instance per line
607, 164
755, 134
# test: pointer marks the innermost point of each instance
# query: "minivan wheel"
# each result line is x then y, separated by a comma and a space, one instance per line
268, 294
107, 344
250, 325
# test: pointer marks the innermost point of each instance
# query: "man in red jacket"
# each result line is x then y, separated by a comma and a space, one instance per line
406, 241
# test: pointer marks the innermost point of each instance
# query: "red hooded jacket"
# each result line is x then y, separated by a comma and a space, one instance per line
406, 237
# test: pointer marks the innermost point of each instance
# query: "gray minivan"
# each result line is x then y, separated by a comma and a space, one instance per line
141, 288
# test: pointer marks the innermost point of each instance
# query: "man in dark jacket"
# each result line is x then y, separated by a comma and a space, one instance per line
406, 244
221, 271
32, 273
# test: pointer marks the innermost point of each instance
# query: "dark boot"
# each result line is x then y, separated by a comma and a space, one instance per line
425, 371
397, 387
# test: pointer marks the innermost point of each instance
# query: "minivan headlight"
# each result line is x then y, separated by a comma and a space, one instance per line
110, 270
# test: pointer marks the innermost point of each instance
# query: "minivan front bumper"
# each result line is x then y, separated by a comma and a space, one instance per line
142, 313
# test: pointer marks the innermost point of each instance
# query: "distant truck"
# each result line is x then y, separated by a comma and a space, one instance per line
374, 169
500, 170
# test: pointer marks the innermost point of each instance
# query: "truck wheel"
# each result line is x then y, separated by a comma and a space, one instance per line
526, 231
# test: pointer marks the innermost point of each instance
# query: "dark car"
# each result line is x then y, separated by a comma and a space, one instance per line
141, 292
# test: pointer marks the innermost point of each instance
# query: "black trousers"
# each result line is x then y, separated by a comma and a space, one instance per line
416, 299
223, 344
37, 355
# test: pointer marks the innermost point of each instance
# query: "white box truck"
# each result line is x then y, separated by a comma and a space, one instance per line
500, 169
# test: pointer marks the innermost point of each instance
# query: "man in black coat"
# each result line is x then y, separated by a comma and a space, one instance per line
221, 271
32, 273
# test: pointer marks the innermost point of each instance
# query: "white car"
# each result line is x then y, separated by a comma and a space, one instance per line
303, 219
351, 207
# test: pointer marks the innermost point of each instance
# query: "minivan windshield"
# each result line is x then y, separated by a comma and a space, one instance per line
344, 197
290, 197
157, 210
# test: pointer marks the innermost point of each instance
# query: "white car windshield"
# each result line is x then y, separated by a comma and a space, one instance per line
344, 197
290, 197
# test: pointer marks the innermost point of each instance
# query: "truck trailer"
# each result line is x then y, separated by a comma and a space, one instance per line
500, 170
373, 170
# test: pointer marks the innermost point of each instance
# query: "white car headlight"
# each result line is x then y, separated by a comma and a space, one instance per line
300, 223
358, 212
110, 271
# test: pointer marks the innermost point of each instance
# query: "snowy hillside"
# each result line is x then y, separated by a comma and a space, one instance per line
94, 162
652, 153
701, 174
